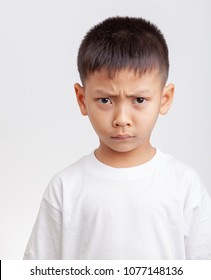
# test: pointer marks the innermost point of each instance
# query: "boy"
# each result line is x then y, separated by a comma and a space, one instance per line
125, 200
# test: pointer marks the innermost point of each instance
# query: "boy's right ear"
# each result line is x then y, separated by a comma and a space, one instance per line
80, 95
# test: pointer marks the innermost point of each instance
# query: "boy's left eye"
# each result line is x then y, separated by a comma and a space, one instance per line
139, 100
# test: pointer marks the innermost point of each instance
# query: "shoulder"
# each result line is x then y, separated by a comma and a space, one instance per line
179, 168
188, 180
65, 181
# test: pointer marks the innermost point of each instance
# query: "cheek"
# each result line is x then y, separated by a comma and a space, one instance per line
147, 119
97, 116
100, 121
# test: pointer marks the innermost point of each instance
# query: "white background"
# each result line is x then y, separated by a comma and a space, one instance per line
41, 129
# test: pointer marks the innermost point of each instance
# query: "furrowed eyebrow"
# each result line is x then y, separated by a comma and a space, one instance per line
105, 93
140, 92
135, 94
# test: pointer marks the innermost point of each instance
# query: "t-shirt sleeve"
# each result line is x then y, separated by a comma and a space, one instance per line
198, 223
45, 239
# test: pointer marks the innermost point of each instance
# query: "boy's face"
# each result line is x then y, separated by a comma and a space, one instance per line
123, 110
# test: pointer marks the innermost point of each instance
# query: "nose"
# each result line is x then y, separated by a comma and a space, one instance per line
122, 118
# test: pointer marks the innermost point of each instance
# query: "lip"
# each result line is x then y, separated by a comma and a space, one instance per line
122, 137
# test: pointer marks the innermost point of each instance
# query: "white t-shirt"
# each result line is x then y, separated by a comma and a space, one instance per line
158, 210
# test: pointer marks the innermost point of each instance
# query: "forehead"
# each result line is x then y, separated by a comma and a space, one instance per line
124, 79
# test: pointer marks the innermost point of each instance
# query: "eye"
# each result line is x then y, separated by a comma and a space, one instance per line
139, 100
104, 100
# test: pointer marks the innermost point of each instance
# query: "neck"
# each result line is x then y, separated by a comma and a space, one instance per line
125, 159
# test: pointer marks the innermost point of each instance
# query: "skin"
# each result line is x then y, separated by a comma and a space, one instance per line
123, 111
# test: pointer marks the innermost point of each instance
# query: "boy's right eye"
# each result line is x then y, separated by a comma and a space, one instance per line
104, 100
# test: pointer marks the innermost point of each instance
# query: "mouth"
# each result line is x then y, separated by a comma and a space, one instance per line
122, 137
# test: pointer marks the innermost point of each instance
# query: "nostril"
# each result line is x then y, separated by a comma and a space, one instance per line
121, 124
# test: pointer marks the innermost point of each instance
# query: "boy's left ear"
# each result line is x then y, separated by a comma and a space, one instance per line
167, 98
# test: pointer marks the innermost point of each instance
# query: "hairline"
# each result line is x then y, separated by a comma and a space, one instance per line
139, 73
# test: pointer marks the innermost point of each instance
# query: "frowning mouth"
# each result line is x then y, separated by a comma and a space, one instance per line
122, 137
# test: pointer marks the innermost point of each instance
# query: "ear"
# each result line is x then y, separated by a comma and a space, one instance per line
80, 95
166, 99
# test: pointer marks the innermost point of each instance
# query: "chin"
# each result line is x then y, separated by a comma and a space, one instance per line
122, 149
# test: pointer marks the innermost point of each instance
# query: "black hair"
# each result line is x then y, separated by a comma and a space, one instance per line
123, 42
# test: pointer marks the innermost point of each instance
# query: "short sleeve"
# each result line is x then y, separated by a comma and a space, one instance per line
45, 239
198, 229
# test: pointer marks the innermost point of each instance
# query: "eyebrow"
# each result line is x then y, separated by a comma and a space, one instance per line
111, 94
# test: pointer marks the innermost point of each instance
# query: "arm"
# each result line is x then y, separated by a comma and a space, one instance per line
198, 239
46, 236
